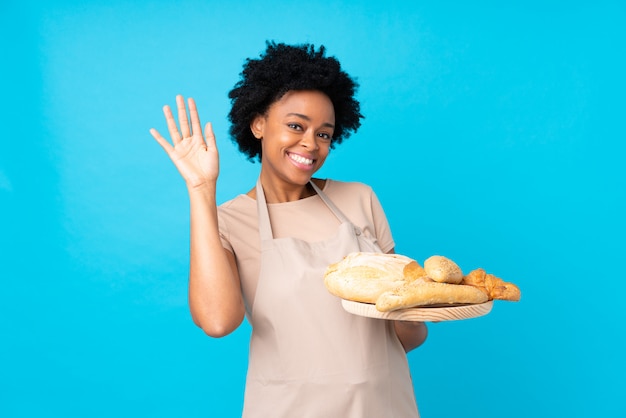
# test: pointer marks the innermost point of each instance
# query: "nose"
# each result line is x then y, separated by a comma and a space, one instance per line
309, 140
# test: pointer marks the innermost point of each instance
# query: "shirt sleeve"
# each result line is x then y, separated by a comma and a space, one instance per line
223, 230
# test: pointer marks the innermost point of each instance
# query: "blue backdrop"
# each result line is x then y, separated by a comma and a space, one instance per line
494, 134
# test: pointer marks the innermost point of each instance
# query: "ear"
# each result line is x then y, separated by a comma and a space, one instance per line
257, 126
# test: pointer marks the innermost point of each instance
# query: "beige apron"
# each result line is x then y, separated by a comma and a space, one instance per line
309, 357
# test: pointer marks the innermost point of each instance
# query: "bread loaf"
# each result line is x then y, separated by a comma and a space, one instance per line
362, 277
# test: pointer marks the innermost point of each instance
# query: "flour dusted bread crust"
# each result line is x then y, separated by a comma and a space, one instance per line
362, 277
394, 281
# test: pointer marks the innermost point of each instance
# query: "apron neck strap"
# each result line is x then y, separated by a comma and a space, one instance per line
265, 226
334, 209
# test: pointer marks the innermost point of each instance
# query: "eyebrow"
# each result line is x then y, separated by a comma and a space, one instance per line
305, 117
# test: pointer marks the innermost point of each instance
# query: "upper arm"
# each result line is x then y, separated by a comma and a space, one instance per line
232, 261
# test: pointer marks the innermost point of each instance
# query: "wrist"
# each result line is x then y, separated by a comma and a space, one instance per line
202, 189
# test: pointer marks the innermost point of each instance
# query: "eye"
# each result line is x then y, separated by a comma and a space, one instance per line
294, 126
325, 136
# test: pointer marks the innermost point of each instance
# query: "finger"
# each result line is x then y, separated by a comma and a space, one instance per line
182, 117
195, 118
210, 136
171, 124
162, 141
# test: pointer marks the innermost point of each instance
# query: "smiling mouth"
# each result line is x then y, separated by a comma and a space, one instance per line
300, 159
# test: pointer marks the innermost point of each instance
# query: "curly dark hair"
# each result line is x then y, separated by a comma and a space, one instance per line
283, 68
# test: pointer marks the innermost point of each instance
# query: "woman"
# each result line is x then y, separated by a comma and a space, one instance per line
263, 254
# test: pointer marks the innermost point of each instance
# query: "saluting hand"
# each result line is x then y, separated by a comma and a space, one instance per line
194, 156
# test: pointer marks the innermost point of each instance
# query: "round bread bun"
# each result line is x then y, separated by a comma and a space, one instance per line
443, 270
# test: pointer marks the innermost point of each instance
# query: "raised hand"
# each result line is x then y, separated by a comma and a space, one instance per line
194, 156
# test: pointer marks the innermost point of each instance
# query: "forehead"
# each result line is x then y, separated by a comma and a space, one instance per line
311, 103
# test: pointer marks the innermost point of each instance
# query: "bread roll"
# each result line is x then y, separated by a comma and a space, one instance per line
362, 277
443, 270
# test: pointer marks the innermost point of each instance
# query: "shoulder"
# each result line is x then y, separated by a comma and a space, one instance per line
236, 203
351, 194
351, 187
237, 219
236, 209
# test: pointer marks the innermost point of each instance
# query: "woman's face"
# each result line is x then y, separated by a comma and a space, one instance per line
295, 136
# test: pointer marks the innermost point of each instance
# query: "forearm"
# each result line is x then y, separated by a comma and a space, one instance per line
411, 334
215, 298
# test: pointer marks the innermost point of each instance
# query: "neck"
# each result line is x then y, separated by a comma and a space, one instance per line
278, 192
281, 194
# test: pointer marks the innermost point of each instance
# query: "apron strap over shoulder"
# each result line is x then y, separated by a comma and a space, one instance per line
265, 228
339, 214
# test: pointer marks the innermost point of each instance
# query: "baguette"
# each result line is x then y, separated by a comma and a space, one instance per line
421, 292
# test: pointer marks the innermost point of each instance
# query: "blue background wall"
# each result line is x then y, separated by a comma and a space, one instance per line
494, 134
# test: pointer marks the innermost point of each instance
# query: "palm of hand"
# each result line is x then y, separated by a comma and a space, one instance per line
196, 159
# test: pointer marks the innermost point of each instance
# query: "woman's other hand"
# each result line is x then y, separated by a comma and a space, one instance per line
195, 156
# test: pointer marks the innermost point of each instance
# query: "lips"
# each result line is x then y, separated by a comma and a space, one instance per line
300, 159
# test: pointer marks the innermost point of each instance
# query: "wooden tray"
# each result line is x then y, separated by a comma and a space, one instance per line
423, 314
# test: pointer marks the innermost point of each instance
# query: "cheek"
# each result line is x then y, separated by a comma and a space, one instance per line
324, 151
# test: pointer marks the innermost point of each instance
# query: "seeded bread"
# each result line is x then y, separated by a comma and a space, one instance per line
443, 270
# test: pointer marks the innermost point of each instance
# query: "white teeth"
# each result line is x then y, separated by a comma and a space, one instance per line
300, 159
